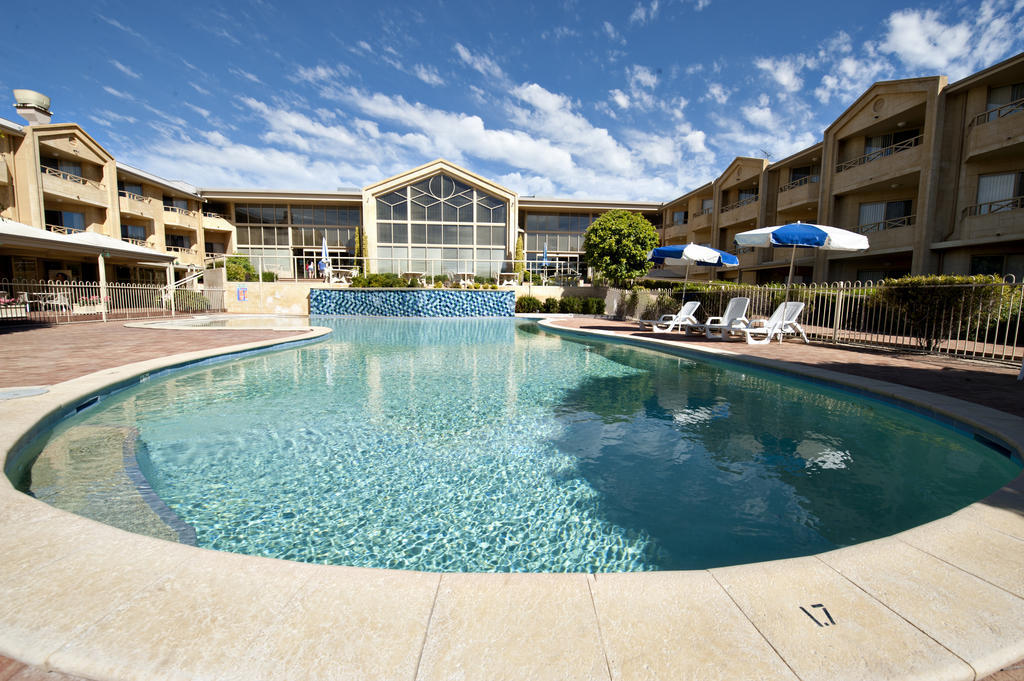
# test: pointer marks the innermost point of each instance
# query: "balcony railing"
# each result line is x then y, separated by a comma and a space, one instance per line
133, 196
175, 209
879, 153
892, 223
71, 177
214, 215
810, 179
137, 242
704, 211
742, 250
179, 249
739, 204
1016, 106
61, 229
1016, 203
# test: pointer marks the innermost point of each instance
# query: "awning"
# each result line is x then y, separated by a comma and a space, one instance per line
19, 235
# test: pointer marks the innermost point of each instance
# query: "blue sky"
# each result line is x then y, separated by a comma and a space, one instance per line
628, 100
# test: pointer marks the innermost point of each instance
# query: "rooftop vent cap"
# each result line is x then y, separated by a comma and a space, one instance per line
33, 106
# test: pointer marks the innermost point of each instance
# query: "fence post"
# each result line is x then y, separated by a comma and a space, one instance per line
103, 287
838, 313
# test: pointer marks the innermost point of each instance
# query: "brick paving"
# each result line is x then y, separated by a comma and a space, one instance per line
47, 355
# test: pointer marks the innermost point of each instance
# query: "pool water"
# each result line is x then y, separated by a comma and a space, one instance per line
493, 446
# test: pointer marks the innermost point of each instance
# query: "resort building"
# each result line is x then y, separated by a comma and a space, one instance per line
932, 172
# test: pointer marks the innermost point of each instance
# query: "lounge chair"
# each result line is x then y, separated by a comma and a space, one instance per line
678, 320
732, 320
782, 323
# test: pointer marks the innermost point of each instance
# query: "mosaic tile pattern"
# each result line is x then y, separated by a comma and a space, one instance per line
412, 303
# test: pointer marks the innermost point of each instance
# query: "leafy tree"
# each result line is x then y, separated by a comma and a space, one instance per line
520, 264
240, 269
617, 243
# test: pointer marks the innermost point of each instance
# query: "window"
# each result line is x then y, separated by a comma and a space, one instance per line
214, 247
67, 221
706, 206
680, 217
749, 194
178, 241
999, 97
175, 202
880, 215
889, 139
997, 191
129, 231
59, 164
129, 188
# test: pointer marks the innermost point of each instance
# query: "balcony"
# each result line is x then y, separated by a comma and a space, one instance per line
995, 219
799, 192
893, 161
58, 184
893, 223
134, 204
749, 256
136, 242
701, 219
61, 229
180, 217
996, 130
675, 233
741, 211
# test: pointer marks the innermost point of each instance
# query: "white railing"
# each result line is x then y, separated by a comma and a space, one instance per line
178, 249
1015, 203
892, 223
63, 302
1013, 107
810, 179
739, 204
71, 177
137, 242
180, 211
879, 153
133, 196
61, 229
977, 321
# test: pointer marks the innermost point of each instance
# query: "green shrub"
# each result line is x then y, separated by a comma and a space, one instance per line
269, 276
379, 280
593, 306
240, 269
439, 284
550, 305
937, 307
570, 305
528, 304
187, 300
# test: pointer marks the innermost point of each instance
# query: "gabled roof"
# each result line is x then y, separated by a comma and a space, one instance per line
430, 169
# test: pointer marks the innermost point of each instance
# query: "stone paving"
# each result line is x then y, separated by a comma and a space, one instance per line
47, 355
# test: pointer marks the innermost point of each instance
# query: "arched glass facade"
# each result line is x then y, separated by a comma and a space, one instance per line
439, 226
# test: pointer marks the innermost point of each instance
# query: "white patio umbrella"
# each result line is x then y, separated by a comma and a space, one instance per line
802, 235
692, 254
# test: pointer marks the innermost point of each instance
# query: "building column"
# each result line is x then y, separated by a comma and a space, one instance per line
104, 293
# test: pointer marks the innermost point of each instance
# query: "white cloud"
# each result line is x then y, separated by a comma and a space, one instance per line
785, 71
205, 113
613, 34
561, 32
428, 74
242, 73
760, 115
315, 74
920, 40
643, 14
620, 98
118, 93
124, 69
479, 62
117, 24
198, 88
717, 93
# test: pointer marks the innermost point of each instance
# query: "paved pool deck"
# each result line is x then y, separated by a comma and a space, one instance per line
941, 601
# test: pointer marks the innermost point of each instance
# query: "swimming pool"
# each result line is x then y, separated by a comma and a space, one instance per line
488, 445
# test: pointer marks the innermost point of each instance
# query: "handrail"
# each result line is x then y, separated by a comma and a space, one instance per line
892, 223
178, 249
213, 215
879, 153
704, 211
994, 206
739, 204
1013, 107
809, 179
133, 196
71, 177
137, 242
175, 209
61, 229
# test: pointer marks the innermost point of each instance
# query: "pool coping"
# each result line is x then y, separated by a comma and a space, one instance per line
941, 601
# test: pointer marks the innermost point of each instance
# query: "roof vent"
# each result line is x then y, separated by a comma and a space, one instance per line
33, 106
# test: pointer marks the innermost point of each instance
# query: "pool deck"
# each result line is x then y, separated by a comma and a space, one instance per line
941, 601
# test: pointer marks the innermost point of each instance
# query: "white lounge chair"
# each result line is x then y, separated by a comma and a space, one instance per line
678, 320
782, 323
732, 320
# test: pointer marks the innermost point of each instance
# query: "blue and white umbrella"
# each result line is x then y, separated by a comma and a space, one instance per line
802, 235
692, 254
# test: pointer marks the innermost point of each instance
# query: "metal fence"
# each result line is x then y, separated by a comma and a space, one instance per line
63, 302
977, 321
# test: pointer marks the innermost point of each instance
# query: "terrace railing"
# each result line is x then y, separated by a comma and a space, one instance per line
71, 177
810, 179
739, 204
976, 321
879, 153
1015, 203
1016, 106
891, 223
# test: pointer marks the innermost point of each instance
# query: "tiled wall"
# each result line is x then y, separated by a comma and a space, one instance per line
412, 303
